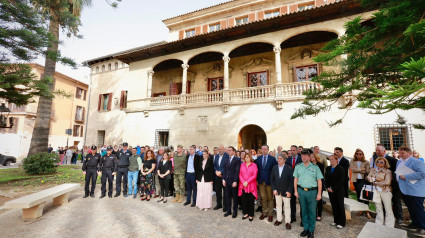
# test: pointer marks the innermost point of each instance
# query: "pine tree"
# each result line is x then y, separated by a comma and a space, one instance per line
379, 64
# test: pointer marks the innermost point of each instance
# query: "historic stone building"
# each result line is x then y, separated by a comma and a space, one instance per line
67, 113
233, 74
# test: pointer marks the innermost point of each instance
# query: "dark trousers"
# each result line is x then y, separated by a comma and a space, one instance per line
219, 192
415, 205
107, 175
359, 186
191, 187
122, 173
294, 207
247, 203
346, 187
319, 208
171, 185
338, 210
91, 174
229, 194
165, 184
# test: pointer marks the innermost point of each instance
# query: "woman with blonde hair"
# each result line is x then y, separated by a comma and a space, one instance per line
380, 177
360, 168
253, 154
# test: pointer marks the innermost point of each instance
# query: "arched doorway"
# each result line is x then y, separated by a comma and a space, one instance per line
252, 137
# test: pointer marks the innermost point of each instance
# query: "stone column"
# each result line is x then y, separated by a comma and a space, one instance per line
150, 74
226, 60
278, 66
185, 66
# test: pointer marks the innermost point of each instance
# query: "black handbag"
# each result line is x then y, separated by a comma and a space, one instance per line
368, 195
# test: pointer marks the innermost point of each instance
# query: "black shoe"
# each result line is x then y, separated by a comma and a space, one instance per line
217, 207
227, 214
125, 195
224, 209
311, 235
92, 195
411, 226
259, 209
86, 195
304, 233
243, 218
293, 220
134, 196
110, 196
116, 195
102, 196
193, 204
186, 203
234, 215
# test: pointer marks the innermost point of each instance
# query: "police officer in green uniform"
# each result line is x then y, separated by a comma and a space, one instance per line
180, 164
308, 188
122, 172
90, 169
108, 166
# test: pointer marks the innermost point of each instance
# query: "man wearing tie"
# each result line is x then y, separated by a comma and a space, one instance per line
219, 161
344, 163
192, 160
232, 166
292, 161
265, 165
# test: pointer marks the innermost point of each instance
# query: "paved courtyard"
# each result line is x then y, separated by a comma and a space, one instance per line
128, 217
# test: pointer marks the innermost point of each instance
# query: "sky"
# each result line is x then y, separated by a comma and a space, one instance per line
107, 30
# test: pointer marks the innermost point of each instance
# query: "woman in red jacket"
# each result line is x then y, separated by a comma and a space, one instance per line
248, 186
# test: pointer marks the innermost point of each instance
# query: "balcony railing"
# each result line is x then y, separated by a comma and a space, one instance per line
278, 92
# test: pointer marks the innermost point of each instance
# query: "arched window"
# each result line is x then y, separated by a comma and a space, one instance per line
103, 68
116, 65
109, 67
97, 69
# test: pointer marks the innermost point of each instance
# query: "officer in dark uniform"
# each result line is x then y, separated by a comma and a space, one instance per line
108, 166
90, 169
122, 173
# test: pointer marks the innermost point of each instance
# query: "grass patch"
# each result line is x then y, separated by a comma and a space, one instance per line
64, 174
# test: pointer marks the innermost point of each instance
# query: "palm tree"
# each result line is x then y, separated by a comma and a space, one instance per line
65, 14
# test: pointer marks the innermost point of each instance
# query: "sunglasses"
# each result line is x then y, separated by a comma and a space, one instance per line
359, 153
380, 162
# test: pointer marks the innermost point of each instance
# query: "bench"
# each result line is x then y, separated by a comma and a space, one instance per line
379, 231
350, 205
32, 205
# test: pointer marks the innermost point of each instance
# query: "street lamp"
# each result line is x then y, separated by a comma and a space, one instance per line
4, 114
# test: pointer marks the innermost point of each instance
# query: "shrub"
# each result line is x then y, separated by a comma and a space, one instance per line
41, 163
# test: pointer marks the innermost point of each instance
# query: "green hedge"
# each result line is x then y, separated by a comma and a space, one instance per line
41, 163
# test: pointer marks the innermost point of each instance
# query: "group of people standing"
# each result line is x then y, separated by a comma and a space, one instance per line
238, 182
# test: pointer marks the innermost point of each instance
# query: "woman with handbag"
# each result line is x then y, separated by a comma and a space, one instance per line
360, 168
380, 177
334, 179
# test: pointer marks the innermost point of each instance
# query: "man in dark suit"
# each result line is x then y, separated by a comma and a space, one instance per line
292, 161
192, 160
232, 166
282, 182
265, 165
219, 161
380, 151
345, 164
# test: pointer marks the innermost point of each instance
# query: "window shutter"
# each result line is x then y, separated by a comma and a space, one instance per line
223, 24
84, 112
100, 102
74, 133
76, 92
85, 94
260, 15
109, 101
251, 17
197, 30
81, 131
173, 89
181, 34
122, 100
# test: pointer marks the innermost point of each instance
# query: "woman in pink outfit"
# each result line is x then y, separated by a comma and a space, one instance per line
248, 186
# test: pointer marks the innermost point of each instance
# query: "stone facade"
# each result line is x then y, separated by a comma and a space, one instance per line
195, 115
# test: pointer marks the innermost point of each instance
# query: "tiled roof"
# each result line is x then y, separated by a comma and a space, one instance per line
200, 10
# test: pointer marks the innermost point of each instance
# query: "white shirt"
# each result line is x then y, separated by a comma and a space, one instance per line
219, 159
231, 158
359, 175
280, 169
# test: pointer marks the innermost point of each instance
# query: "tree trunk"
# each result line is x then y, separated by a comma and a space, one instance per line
40, 134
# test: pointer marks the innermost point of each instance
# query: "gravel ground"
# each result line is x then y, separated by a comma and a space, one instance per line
128, 217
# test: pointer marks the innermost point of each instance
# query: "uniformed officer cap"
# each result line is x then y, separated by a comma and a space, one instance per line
125, 144
93, 147
110, 148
